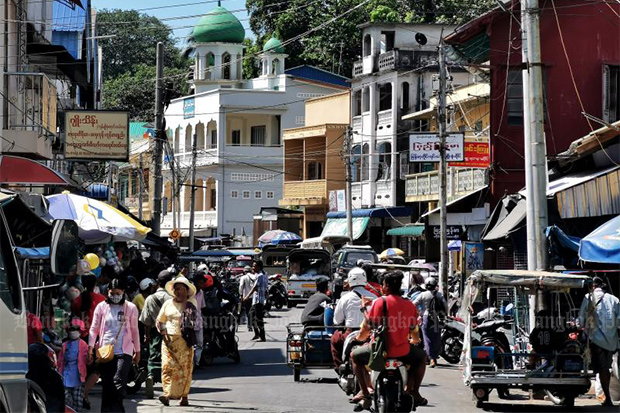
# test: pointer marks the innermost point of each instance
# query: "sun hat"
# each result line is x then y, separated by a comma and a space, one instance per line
357, 277
181, 280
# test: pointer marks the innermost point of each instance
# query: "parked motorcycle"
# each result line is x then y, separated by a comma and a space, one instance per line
220, 339
277, 295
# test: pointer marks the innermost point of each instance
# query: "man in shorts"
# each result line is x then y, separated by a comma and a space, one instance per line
602, 330
402, 335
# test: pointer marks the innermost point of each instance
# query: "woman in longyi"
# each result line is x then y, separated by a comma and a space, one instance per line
176, 322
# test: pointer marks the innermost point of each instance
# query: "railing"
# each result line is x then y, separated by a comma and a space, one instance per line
357, 121
385, 116
358, 68
32, 103
387, 60
461, 181
306, 191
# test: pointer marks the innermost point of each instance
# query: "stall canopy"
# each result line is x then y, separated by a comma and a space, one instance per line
416, 230
603, 244
510, 223
278, 237
40, 253
386, 212
337, 227
22, 171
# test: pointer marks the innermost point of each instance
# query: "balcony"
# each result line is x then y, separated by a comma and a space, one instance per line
305, 193
384, 117
396, 59
358, 68
31, 114
424, 187
357, 122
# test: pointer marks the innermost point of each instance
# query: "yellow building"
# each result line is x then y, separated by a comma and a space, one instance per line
313, 165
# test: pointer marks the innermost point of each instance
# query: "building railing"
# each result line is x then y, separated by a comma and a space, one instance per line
358, 68
357, 121
387, 60
306, 190
461, 181
32, 103
385, 116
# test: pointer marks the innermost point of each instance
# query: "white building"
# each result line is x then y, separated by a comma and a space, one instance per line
395, 77
238, 124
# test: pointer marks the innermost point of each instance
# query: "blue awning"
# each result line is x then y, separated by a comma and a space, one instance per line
567, 241
603, 244
386, 212
41, 253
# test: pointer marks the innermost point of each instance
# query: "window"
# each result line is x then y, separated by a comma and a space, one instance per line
367, 45
252, 177
357, 103
405, 95
234, 194
611, 93
226, 66
387, 41
385, 96
366, 99
236, 137
478, 126
258, 135
258, 194
246, 194
356, 163
275, 67
365, 163
214, 138
270, 195
213, 196
385, 161
514, 97
315, 170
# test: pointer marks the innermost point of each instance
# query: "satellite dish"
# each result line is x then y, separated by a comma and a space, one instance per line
421, 39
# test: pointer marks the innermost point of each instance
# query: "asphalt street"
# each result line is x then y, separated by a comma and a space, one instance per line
262, 382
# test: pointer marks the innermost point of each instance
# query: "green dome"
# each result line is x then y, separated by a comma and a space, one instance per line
273, 45
219, 25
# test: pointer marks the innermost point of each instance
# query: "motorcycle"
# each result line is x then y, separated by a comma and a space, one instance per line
220, 339
389, 384
346, 377
277, 295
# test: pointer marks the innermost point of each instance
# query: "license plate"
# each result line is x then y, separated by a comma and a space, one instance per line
308, 285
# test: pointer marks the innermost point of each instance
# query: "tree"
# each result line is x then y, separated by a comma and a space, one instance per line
135, 91
135, 42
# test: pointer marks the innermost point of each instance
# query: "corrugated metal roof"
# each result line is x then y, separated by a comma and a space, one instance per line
68, 19
317, 74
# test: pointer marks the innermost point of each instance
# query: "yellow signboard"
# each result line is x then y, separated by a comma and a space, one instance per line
97, 135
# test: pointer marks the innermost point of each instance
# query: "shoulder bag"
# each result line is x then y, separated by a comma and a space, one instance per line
105, 353
378, 347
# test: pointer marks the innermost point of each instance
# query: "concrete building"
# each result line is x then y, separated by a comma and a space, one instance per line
238, 124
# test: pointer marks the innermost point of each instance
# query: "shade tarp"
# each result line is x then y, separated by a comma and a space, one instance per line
603, 244
385, 212
523, 278
407, 231
40, 253
509, 224
337, 227
562, 238
23, 171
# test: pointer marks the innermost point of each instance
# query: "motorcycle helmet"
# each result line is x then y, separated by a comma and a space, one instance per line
146, 283
357, 277
208, 281
202, 267
430, 283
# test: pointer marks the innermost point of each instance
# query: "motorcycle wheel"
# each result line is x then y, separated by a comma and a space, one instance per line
297, 374
279, 305
451, 349
235, 356
386, 398
36, 404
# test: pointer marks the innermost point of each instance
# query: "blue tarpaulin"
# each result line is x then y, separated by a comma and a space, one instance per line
603, 244
565, 240
40, 253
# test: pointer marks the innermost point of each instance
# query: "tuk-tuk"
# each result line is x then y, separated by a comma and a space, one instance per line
274, 259
304, 267
548, 356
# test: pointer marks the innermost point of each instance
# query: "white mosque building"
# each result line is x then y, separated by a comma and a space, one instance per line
238, 123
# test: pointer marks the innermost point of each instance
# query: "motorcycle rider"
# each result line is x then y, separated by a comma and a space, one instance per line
348, 310
402, 335
428, 301
314, 311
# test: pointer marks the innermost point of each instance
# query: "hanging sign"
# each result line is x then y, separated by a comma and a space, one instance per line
424, 147
477, 155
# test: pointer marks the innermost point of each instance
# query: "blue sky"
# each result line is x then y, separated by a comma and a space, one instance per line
181, 26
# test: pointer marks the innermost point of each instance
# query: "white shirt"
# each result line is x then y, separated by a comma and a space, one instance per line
348, 308
603, 330
245, 285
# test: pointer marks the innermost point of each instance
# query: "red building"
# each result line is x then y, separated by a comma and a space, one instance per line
589, 33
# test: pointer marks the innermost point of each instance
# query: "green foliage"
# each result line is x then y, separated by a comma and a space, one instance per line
135, 91
251, 65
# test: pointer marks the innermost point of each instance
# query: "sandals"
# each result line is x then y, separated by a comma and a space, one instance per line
164, 400
419, 402
364, 404
184, 402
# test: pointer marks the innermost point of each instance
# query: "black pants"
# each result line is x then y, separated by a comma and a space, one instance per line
114, 381
247, 306
256, 314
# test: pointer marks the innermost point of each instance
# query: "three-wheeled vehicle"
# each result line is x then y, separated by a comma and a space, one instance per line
304, 267
546, 355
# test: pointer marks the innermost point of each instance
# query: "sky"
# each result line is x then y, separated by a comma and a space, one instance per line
190, 8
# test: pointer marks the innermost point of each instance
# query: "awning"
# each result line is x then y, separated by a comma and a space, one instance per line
572, 180
421, 114
40, 253
509, 224
338, 227
565, 240
24, 171
407, 231
212, 239
454, 201
385, 212
603, 244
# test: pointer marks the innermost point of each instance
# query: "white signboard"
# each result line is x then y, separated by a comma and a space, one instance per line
424, 147
97, 135
341, 200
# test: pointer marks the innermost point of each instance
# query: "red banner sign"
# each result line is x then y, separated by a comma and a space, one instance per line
477, 155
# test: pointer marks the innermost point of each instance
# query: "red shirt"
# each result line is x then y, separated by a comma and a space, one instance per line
76, 306
374, 288
402, 315
33, 325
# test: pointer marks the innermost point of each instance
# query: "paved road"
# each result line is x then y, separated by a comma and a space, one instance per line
263, 383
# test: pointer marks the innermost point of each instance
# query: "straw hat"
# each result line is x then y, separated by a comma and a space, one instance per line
181, 280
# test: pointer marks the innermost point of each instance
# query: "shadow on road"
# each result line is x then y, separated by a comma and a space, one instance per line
265, 362
529, 407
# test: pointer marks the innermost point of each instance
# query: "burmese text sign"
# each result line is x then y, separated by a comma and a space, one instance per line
477, 155
97, 135
424, 147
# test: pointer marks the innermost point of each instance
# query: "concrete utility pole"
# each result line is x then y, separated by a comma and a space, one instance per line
349, 202
192, 204
443, 172
141, 189
159, 141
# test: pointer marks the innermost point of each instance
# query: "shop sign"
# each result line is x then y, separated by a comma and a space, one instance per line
424, 147
477, 155
97, 135
189, 108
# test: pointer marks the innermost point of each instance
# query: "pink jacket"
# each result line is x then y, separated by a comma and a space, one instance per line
82, 356
131, 337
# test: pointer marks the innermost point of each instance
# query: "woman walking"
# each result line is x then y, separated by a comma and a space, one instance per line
176, 323
115, 329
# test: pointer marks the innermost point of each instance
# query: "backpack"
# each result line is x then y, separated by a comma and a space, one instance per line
436, 312
212, 304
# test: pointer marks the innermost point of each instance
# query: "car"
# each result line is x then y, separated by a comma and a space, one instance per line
346, 258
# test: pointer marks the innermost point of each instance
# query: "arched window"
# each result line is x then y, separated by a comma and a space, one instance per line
188, 139
210, 62
357, 103
168, 196
367, 45
198, 66
200, 193
385, 96
315, 170
187, 195
177, 138
405, 95
356, 163
200, 135
226, 66
239, 64
385, 161
365, 162
366, 99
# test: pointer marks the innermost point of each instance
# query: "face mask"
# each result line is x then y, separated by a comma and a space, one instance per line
116, 298
74, 335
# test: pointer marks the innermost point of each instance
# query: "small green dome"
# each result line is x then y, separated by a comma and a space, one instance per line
219, 26
273, 45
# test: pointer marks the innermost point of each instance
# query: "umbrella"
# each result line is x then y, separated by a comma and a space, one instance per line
391, 252
278, 236
603, 244
98, 222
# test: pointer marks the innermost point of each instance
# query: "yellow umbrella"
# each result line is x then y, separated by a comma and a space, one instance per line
391, 252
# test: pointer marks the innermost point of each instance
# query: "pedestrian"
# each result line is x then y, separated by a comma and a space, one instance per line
599, 315
176, 323
258, 295
402, 335
115, 323
434, 310
148, 317
314, 311
245, 286
146, 288
199, 283
72, 361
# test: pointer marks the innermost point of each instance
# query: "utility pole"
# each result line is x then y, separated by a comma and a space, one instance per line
347, 159
159, 141
192, 204
443, 172
141, 189
109, 181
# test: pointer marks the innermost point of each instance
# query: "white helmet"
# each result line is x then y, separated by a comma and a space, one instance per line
357, 277
146, 283
202, 267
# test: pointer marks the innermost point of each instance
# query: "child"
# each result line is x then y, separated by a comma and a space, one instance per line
72, 365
